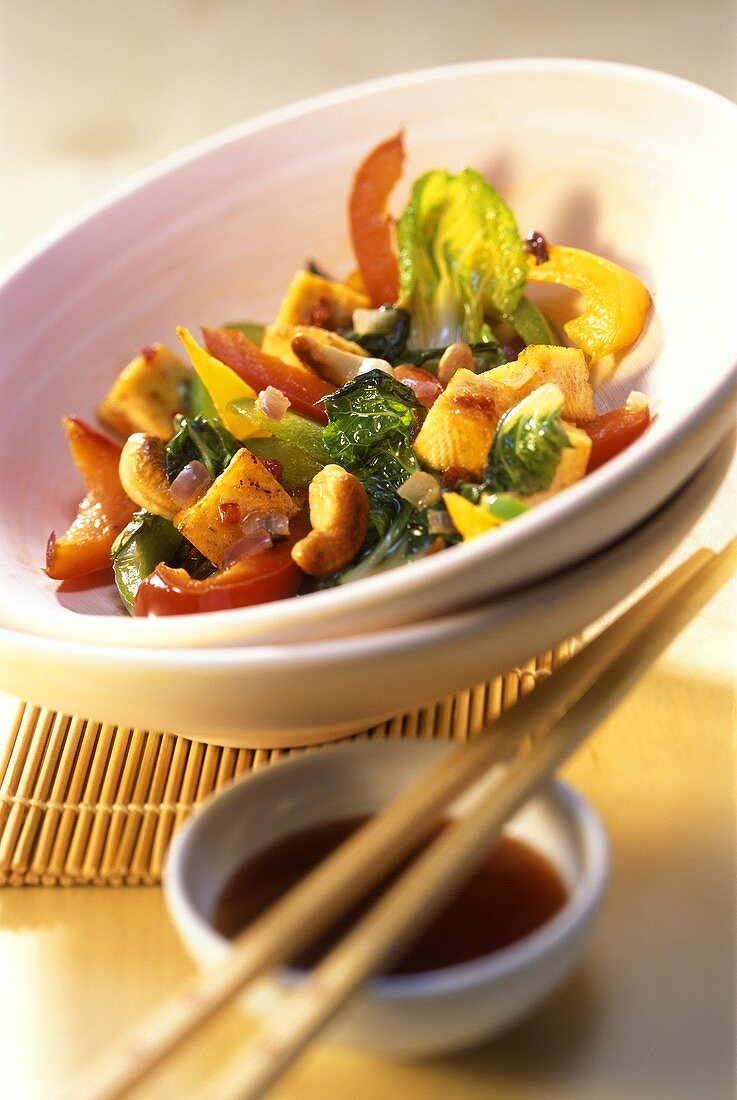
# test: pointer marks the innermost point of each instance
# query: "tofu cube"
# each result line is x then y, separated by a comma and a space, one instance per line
312, 300
567, 368
244, 486
460, 426
147, 394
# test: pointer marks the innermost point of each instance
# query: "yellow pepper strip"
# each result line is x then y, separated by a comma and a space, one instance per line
223, 386
616, 301
470, 520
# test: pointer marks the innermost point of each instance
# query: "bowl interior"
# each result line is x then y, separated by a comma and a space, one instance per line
632, 165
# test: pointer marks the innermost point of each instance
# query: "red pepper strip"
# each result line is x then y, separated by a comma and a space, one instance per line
424, 385
301, 385
102, 514
268, 575
371, 227
614, 431
260, 578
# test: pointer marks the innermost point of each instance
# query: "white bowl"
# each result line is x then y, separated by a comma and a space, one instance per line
284, 695
633, 164
403, 1015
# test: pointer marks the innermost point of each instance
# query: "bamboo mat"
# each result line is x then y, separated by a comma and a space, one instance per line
82, 802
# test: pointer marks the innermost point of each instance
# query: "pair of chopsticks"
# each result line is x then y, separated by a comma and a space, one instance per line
566, 707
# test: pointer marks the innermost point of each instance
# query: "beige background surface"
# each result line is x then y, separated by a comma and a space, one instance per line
92, 90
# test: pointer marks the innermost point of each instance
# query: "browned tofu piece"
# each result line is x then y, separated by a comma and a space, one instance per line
568, 370
277, 341
312, 300
147, 394
245, 486
460, 426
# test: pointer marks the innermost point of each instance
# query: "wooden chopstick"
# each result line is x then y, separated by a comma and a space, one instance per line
364, 859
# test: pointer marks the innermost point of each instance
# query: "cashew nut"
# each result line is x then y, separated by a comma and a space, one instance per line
455, 357
333, 364
143, 477
339, 514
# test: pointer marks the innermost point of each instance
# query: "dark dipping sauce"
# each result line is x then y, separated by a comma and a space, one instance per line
514, 891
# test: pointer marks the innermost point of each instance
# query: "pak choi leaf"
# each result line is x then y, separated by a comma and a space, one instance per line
461, 259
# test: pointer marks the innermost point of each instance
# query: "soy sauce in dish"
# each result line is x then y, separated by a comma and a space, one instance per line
514, 891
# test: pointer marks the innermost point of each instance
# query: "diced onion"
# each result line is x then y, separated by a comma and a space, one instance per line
420, 489
439, 522
374, 321
253, 523
272, 403
190, 483
277, 524
245, 547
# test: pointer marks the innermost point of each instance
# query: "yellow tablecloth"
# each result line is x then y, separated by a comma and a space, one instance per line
90, 92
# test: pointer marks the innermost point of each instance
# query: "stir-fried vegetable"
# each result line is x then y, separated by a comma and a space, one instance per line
371, 424
215, 385
201, 439
269, 575
371, 229
146, 542
103, 512
259, 370
303, 436
387, 341
616, 301
448, 423
461, 258
475, 512
532, 325
615, 430
526, 449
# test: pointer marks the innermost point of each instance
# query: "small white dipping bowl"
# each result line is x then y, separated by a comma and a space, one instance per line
409, 1015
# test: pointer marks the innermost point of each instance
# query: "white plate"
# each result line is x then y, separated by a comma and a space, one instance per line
284, 695
636, 165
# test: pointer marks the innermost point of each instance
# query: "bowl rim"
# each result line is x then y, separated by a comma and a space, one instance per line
583, 824
236, 131
244, 625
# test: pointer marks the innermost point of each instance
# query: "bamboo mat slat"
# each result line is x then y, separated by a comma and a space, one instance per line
84, 802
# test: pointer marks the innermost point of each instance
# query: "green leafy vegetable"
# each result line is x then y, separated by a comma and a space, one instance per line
371, 423
527, 446
389, 344
407, 539
203, 439
143, 544
461, 258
